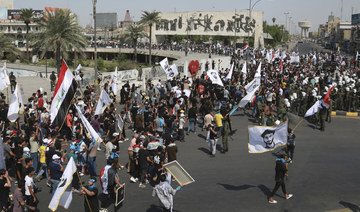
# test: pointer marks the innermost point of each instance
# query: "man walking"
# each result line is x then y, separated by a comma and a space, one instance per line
280, 173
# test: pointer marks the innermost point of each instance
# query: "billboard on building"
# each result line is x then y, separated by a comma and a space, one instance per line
355, 19
106, 20
210, 23
15, 14
3, 13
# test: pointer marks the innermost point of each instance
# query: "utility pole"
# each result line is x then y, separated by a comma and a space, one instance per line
95, 49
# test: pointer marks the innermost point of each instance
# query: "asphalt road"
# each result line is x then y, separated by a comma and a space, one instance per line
323, 177
306, 47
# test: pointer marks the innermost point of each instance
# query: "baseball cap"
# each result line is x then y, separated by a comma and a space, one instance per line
55, 157
26, 149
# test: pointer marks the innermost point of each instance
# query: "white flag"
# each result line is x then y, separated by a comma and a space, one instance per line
104, 101
254, 84
4, 78
228, 77
258, 71
172, 72
88, 127
114, 82
165, 64
252, 88
120, 123
314, 109
294, 59
243, 70
264, 139
357, 55
77, 73
214, 77
63, 194
16, 104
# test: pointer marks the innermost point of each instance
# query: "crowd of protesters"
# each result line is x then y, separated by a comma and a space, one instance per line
161, 115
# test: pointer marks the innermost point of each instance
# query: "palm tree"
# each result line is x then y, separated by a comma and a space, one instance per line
26, 15
7, 45
134, 32
150, 18
60, 33
273, 20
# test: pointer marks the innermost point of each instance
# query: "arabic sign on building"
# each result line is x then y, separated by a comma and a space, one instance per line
15, 14
210, 23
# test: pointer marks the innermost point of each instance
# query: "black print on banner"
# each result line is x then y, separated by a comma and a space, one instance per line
207, 23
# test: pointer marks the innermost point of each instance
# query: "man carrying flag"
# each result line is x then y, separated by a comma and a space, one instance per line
104, 101
16, 104
323, 105
64, 93
63, 193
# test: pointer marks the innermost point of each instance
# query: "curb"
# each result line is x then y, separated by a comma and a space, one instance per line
343, 113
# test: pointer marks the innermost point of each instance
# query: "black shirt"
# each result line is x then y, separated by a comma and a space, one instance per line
4, 192
143, 155
93, 200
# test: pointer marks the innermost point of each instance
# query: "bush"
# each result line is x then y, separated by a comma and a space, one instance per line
100, 64
110, 67
11, 57
121, 58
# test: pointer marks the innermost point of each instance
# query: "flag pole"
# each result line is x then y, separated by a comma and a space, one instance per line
298, 124
87, 201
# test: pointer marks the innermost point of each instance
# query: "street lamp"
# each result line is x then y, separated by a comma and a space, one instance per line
95, 49
251, 7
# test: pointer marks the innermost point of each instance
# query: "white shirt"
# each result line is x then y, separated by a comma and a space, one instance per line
110, 146
28, 182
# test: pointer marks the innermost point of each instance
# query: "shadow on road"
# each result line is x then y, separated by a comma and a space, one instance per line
202, 136
155, 208
312, 126
350, 206
204, 150
236, 188
265, 190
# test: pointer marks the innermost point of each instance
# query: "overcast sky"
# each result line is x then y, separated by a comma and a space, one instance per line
316, 11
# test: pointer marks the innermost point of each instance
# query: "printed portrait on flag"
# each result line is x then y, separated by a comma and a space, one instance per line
264, 139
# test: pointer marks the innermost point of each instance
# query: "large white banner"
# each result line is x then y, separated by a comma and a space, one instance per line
264, 139
254, 84
63, 195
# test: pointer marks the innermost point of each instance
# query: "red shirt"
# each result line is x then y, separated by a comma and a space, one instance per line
201, 89
41, 103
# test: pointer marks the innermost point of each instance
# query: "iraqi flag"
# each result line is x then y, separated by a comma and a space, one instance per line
326, 102
64, 93
245, 47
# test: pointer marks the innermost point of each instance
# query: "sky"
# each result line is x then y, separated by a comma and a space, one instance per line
316, 11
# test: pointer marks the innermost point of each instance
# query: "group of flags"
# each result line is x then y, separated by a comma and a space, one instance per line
171, 71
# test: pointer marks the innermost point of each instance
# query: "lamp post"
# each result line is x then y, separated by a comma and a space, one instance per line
286, 14
95, 47
251, 7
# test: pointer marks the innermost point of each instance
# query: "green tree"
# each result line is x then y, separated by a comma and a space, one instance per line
277, 33
150, 18
26, 15
6, 45
273, 20
134, 32
60, 33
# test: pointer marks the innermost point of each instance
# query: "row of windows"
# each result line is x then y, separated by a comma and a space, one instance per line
18, 29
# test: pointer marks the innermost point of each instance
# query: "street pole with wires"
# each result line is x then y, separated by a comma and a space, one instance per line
95, 47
